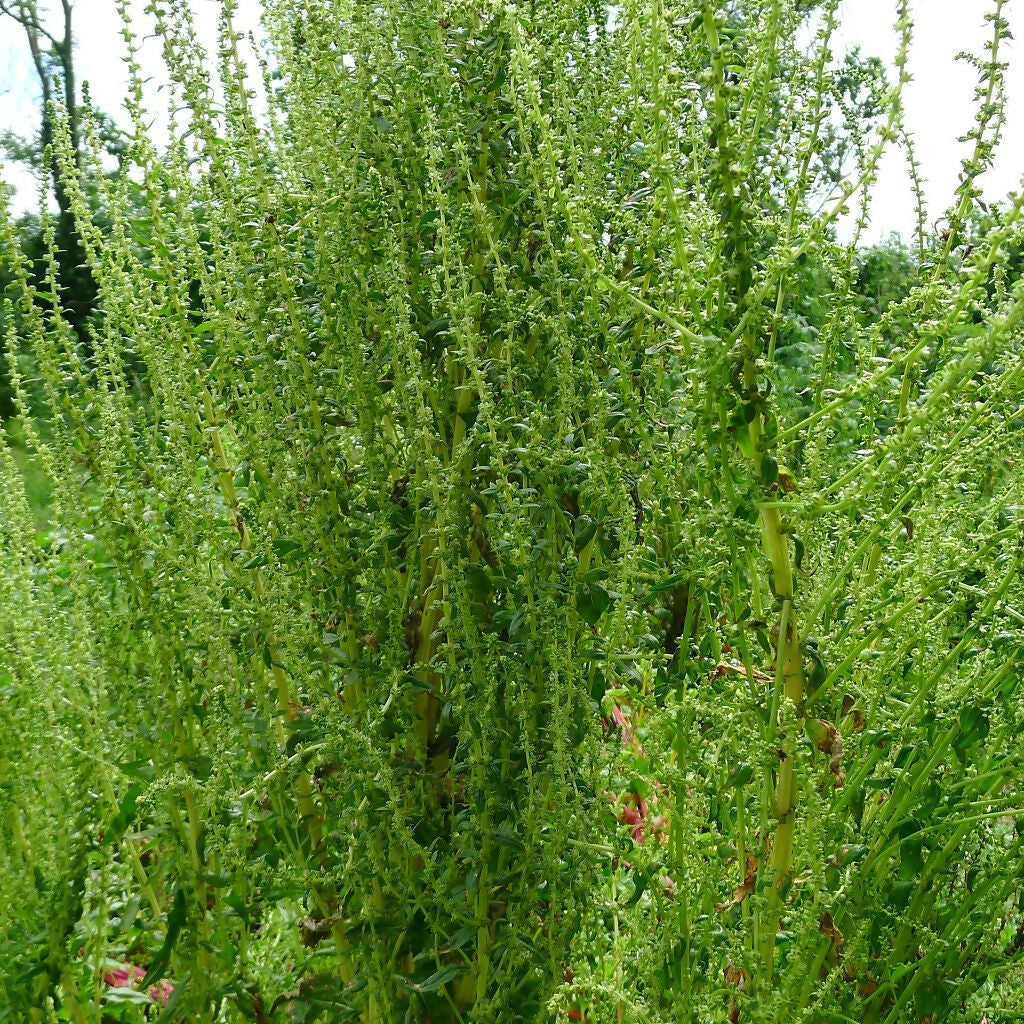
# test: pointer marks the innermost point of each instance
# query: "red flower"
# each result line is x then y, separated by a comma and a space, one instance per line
161, 992
621, 719
124, 976
635, 816
639, 820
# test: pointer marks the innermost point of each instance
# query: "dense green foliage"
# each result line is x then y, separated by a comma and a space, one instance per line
504, 559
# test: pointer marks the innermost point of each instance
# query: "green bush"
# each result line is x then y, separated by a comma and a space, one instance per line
506, 560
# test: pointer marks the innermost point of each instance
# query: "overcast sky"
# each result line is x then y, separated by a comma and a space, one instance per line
939, 103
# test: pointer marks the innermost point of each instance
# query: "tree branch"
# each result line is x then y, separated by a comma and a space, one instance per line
27, 15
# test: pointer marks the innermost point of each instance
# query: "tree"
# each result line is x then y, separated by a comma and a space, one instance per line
53, 57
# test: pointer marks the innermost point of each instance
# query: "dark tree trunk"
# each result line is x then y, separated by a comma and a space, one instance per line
52, 53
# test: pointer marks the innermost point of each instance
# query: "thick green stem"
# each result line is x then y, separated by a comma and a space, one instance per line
789, 663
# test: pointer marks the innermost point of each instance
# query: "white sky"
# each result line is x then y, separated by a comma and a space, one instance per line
939, 101
99, 58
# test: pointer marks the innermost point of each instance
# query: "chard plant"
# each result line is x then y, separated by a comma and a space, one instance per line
505, 558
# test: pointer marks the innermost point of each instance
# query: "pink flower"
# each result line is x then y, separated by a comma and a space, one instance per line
621, 719
640, 821
635, 816
123, 977
161, 992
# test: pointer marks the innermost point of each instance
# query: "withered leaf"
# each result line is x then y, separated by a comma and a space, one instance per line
745, 888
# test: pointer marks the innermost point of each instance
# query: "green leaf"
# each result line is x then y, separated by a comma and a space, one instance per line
667, 584
175, 919
641, 881
931, 999
798, 551
114, 994
898, 893
584, 530
125, 814
287, 550
817, 674
435, 981
593, 600
504, 836
974, 727
141, 769
458, 939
